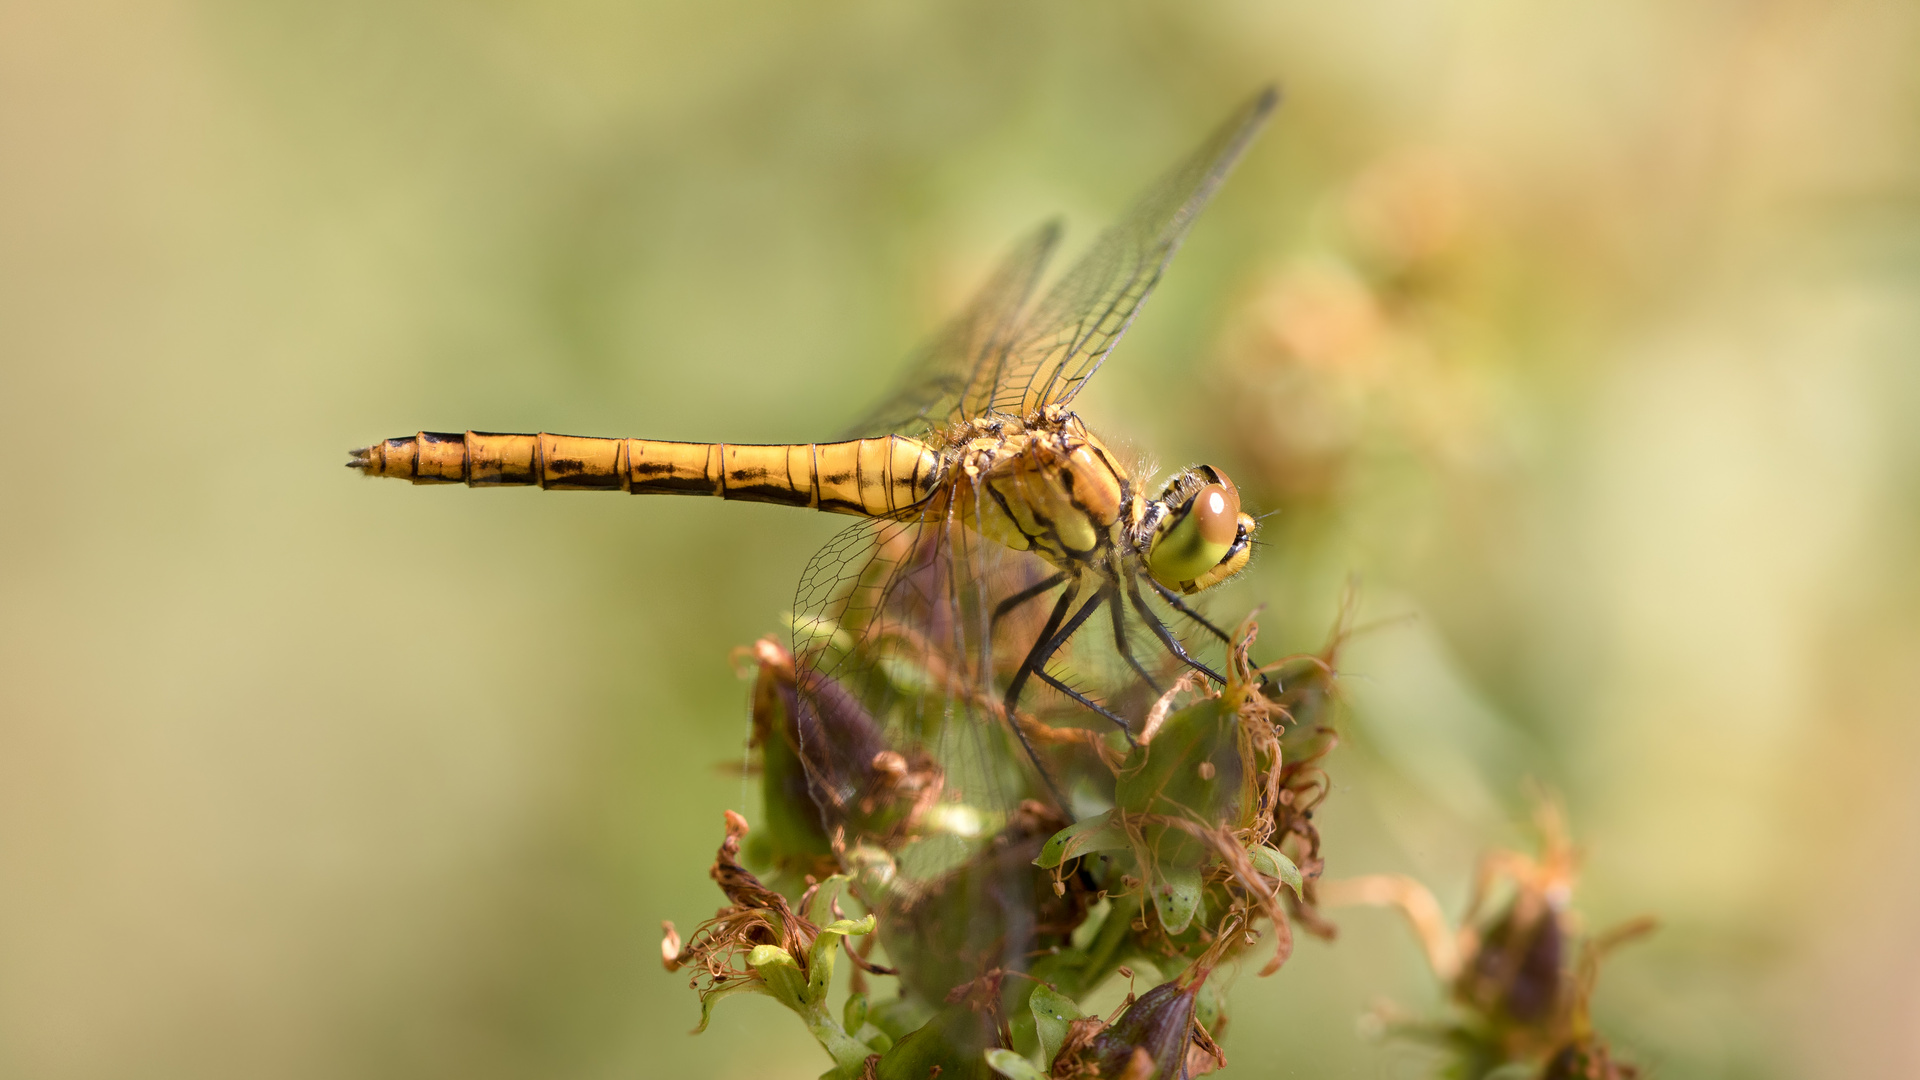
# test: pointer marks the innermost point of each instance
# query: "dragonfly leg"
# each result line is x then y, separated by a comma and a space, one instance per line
1001, 609
1173, 598
1125, 728
1073, 625
1179, 605
1165, 635
1054, 638
1019, 682
1049, 644
1119, 609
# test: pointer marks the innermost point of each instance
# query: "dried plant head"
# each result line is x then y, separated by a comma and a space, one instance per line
1518, 969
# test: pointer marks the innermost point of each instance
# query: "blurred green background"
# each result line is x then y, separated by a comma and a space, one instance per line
1583, 332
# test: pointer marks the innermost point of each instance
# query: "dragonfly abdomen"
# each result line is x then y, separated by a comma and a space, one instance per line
868, 477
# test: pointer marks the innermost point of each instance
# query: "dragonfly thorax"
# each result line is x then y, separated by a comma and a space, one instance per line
1044, 483
1040, 483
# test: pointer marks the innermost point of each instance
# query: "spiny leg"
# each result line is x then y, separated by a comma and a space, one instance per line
1125, 728
1048, 643
1019, 681
1173, 598
1180, 606
1165, 635
1001, 609
1045, 650
1119, 609
1073, 625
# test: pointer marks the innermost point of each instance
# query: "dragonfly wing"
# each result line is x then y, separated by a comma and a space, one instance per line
909, 630
896, 653
1083, 316
938, 808
910, 762
938, 377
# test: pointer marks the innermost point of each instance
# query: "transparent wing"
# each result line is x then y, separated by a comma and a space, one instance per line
936, 381
896, 652
1083, 316
909, 630
914, 766
900, 668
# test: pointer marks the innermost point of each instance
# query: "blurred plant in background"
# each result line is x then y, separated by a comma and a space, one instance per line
1350, 345
1519, 972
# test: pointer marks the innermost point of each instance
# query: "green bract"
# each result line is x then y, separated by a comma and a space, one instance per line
1183, 781
1083, 837
1272, 863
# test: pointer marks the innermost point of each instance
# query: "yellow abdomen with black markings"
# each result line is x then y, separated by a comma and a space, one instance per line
869, 477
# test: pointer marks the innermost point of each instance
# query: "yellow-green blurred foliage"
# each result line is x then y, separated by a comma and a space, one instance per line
1584, 331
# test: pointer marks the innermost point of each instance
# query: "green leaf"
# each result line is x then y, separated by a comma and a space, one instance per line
781, 975
898, 1017
1087, 835
1207, 1005
825, 947
820, 958
806, 993
853, 1015
712, 997
1166, 775
954, 1040
1013, 1066
874, 1037
1273, 863
1176, 895
850, 927
1052, 1013
820, 908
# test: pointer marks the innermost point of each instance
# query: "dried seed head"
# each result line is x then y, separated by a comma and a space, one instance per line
669, 945
1153, 1037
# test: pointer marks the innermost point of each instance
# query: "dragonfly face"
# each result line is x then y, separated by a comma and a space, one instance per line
1195, 533
1001, 549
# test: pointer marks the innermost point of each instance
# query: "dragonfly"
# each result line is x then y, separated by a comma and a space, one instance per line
1012, 589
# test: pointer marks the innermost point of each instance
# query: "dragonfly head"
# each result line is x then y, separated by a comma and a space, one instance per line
1198, 535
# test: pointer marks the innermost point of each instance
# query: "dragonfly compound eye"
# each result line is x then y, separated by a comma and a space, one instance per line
1201, 542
